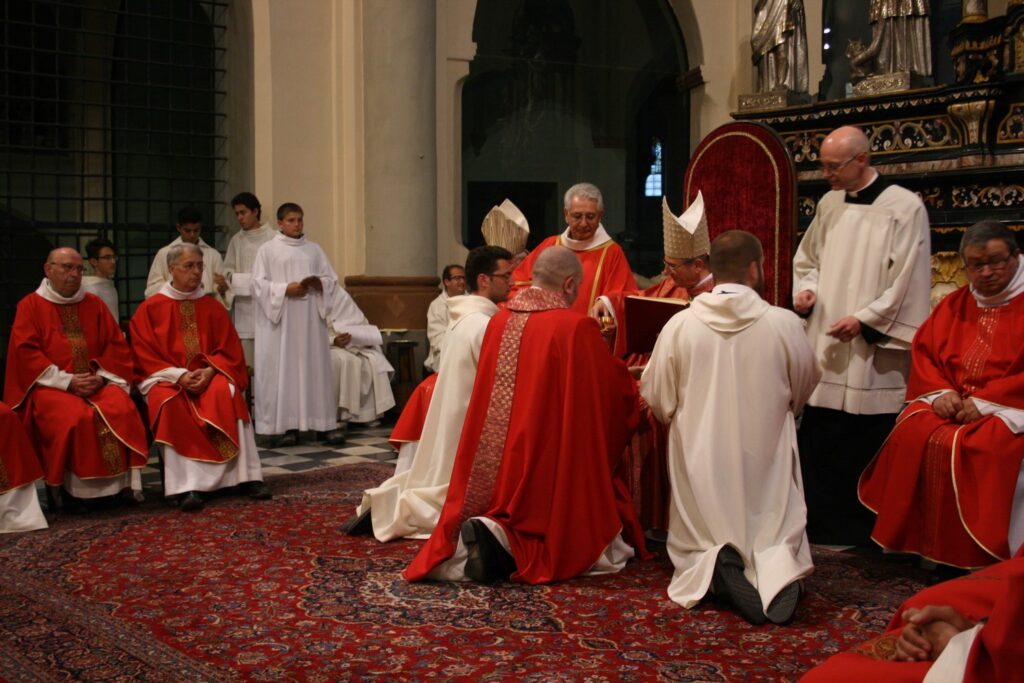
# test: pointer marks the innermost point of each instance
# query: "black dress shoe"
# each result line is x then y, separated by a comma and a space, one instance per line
487, 558
190, 501
783, 606
289, 438
359, 525
336, 437
257, 490
729, 583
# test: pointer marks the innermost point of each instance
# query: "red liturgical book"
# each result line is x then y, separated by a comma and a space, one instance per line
645, 316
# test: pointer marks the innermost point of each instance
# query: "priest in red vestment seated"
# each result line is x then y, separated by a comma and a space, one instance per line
190, 366
687, 274
534, 495
19, 472
68, 368
948, 484
966, 630
605, 268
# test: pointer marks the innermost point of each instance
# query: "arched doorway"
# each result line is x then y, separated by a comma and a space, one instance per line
567, 90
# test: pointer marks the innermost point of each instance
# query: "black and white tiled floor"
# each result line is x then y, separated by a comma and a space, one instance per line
363, 445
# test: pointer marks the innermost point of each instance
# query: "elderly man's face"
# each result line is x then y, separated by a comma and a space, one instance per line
683, 272
456, 284
64, 271
990, 267
190, 232
187, 271
582, 217
106, 264
842, 169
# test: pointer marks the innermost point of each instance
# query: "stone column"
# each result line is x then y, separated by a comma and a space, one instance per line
399, 151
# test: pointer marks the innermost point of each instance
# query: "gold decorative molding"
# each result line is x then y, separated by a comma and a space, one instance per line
974, 118
988, 196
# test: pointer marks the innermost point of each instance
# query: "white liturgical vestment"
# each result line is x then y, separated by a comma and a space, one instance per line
871, 261
409, 503
238, 264
293, 387
728, 375
362, 375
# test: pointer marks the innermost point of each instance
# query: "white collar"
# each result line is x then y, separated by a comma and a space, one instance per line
599, 237
290, 241
50, 294
168, 290
1011, 290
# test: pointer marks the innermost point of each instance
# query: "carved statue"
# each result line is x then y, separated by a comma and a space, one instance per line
900, 40
779, 44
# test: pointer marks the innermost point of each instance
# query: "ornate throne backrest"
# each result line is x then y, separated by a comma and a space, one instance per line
749, 183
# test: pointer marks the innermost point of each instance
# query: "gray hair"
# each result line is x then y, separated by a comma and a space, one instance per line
981, 232
584, 191
176, 250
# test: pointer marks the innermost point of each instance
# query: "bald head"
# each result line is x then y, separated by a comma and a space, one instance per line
64, 270
849, 139
846, 159
558, 269
732, 254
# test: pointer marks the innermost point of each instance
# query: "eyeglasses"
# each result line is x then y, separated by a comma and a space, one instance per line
457, 277
673, 267
189, 265
995, 265
829, 169
69, 267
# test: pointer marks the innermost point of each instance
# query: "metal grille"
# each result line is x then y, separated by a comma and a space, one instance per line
110, 122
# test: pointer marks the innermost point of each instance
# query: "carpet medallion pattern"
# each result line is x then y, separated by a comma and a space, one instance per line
273, 591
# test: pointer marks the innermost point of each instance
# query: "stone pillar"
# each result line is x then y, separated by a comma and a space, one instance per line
399, 154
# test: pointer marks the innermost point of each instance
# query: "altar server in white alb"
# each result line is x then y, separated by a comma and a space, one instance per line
408, 504
862, 275
728, 375
238, 263
361, 373
293, 284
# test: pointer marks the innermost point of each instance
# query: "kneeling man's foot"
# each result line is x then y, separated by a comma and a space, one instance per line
190, 501
359, 525
783, 606
729, 583
257, 490
487, 559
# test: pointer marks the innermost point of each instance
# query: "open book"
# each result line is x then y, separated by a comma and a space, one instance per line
645, 316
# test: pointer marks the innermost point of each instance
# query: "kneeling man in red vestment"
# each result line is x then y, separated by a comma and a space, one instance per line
948, 483
534, 493
67, 378
190, 366
19, 472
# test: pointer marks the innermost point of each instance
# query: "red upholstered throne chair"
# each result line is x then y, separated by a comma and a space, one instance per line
748, 181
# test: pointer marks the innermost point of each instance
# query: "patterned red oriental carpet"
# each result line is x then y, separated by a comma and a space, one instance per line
272, 591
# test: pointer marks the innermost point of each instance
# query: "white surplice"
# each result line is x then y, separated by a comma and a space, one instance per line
238, 264
728, 375
871, 261
362, 375
437, 323
159, 272
103, 288
293, 387
409, 504
183, 474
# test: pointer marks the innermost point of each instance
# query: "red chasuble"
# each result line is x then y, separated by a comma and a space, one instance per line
96, 437
941, 489
605, 270
409, 426
191, 334
994, 593
19, 464
541, 449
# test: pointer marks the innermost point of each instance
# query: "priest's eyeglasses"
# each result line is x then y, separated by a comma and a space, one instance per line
673, 267
994, 265
189, 265
829, 169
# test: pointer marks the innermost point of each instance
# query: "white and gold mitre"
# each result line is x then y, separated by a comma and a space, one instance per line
686, 236
506, 226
